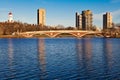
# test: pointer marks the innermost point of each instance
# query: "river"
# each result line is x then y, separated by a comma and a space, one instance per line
60, 59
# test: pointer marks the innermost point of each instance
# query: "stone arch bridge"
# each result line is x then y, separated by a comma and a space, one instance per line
54, 33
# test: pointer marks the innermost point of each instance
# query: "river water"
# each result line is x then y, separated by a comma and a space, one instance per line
60, 59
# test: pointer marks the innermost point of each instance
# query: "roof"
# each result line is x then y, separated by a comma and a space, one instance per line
10, 13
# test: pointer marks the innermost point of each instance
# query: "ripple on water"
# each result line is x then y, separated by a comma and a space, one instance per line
60, 59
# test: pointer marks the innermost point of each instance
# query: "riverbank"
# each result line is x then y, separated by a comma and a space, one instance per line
44, 36
11, 36
36, 36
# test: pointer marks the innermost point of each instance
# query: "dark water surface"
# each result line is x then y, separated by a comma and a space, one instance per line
60, 59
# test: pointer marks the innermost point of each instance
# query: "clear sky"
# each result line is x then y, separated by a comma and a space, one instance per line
58, 11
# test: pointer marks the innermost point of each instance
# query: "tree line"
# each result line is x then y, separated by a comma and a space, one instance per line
10, 28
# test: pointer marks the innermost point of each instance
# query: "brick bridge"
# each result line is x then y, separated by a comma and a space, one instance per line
55, 33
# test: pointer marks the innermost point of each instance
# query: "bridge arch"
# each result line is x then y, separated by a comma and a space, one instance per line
97, 34
72, 34
52, 35
56, 35
40, 35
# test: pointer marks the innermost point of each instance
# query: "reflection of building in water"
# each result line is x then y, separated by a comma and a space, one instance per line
87, 54
88, 48
108, 53
10, 50
79, 49
11, 58
42, 60
84, 53
85, 48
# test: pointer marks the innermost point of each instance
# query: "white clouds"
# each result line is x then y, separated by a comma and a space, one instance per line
116, 13
97, 19
116, 16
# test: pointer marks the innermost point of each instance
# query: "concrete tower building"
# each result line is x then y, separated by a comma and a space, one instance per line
10, 17
107, 21
78, 20
87, 20
41, 17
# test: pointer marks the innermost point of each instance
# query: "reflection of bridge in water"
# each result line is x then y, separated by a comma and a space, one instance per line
55, 33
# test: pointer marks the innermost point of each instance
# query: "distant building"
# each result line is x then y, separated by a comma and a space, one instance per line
87, 20
84, 20
10, 17
107, 21
41, 16
78, 21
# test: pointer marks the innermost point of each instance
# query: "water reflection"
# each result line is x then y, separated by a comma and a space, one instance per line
11, 59
71, 59
108, 50
10, 51
84, 52
87, 49
107, 55
42, 58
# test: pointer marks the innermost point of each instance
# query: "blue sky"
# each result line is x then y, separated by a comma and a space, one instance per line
58, 11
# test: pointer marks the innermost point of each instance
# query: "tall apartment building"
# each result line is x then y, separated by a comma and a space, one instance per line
87, 20
107, 21
78, 21
84, 20
41, 17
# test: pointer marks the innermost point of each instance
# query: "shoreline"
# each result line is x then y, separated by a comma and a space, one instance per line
63, 36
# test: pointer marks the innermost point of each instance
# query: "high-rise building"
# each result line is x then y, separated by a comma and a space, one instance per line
78, 20
86, 20
41, 16
107, 21
10, 17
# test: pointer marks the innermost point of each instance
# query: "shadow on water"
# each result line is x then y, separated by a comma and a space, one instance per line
42, 58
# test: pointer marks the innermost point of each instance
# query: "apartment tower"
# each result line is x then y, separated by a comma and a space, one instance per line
41, 17
107, 21
87, 20
78, 20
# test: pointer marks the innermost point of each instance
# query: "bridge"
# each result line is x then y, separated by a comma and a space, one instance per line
55, 33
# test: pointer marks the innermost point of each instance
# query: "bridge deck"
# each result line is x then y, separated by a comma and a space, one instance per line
54, 33
61, 31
